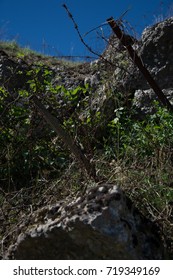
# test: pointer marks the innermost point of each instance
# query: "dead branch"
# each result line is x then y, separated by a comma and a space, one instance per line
67, 139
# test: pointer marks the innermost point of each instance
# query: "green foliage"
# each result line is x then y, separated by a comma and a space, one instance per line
13, 48
145, 150
29, 148
30, 152
131, 137
26, 155
9, 45
38, 79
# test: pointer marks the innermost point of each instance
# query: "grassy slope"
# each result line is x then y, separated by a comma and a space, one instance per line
135, 155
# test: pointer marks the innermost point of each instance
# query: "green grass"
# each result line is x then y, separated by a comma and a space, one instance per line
15, 50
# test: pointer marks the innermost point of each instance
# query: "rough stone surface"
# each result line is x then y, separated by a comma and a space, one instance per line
102, 224
157, 55
156, 51
143, 100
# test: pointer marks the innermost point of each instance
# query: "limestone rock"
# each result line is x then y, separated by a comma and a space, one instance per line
157, 51
102, 224
143, 100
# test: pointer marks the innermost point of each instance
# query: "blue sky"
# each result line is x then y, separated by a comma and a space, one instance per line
43, 25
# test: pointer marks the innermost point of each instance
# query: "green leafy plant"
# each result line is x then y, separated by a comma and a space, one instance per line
25, 154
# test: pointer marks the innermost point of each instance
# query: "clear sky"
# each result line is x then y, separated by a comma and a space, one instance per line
44, 25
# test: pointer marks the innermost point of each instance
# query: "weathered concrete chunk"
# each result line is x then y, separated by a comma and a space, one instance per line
103, 224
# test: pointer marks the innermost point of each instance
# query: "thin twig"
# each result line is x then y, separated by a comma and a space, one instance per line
103, 24
79, 34
82, 40
106, 23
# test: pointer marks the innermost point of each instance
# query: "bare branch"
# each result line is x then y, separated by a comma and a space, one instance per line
79, 34
87, 46
67, 139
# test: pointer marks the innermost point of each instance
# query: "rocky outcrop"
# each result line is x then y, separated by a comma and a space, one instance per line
156, 51
113, 72
157, 54
144, 101
102, 224
14, 71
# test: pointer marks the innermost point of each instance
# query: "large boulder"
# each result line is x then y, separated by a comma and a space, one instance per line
156, 52
102, 224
